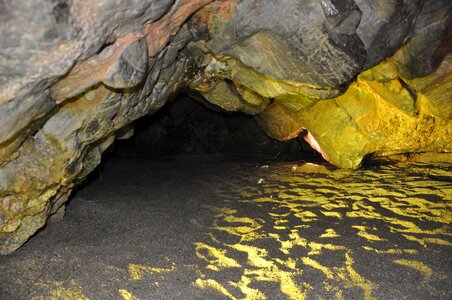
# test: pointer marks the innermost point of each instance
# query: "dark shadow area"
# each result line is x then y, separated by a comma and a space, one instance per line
187, 126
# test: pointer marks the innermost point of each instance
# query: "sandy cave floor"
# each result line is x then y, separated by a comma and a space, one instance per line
230, 227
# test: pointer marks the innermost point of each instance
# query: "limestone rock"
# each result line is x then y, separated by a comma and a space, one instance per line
59, 33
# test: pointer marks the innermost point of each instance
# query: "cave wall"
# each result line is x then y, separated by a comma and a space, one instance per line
304, 65
362, 77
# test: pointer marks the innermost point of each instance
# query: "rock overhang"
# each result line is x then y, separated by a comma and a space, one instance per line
362, 79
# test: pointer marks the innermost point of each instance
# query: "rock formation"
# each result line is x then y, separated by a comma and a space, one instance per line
354, 77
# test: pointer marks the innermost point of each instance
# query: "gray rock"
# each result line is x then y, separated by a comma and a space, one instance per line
431, 40
130, 67
385, 25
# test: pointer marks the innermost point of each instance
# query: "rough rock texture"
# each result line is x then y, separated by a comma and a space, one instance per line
303, 56
82, 72
376, 114
65, 94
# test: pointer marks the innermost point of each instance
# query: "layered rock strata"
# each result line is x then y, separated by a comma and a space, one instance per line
356, 78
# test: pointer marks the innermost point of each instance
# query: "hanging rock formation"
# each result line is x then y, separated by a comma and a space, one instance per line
303, 56
354, 77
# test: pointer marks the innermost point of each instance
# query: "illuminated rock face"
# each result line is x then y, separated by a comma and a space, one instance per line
83, 72
306, 64
376, 115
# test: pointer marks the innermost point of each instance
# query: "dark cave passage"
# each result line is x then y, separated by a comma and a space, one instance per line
189, 126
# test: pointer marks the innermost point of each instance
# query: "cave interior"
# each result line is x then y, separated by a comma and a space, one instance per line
226, 149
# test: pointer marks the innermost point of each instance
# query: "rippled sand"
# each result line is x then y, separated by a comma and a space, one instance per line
324, 226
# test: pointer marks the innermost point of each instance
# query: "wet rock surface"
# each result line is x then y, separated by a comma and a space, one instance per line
363, 78
238, 227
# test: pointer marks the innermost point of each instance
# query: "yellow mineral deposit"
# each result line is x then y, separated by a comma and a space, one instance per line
210, 283
363, 232
261, 267
391, 251
378, 114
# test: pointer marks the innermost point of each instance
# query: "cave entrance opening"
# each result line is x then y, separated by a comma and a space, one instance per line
190, 125
191, 129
